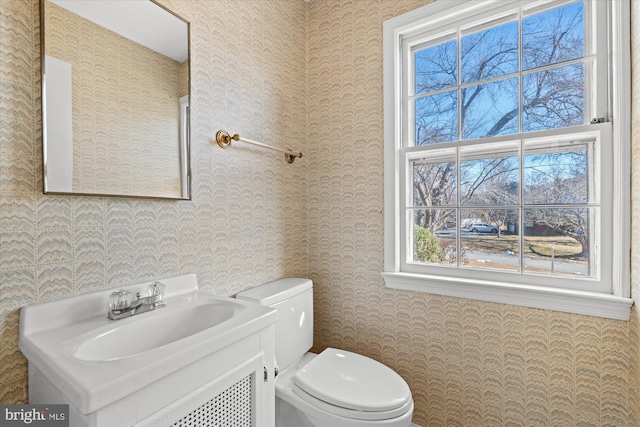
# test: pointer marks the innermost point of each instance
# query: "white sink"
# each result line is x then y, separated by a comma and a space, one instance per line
95, 361
134, 335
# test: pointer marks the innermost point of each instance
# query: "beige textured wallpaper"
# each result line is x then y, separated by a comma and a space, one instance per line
247, 222
255, 218
183, 79
126, 117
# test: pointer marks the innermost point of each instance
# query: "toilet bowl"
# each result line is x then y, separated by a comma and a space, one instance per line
335, 388
295, 407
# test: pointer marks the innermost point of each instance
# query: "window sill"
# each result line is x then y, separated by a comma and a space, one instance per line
568, 301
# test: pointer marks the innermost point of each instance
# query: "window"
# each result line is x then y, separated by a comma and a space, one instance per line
505, 177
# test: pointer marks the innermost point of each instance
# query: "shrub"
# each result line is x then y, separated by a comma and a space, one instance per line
427, 245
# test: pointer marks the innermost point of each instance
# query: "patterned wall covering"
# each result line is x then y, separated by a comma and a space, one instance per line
468, 363
183, 79
125, 99
247, 222
255, 218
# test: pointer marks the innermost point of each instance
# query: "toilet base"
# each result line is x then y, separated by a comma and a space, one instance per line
293, 411
287, 415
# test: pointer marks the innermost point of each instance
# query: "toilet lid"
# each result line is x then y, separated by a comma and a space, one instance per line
353, 381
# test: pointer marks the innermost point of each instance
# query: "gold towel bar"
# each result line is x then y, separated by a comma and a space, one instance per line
223, 138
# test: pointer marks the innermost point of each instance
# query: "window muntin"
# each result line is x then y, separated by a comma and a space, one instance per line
467, 105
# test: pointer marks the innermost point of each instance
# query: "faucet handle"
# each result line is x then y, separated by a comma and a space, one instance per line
119, 300
156, 288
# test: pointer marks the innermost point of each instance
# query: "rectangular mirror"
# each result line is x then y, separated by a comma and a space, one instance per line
115, 99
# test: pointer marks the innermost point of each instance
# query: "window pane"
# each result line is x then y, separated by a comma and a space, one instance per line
489, 239
553, 36
434, 236
557, 175
437, 118
490, 109
489, 180
489, 53
436, 67
434, 181
557, 241
553, 98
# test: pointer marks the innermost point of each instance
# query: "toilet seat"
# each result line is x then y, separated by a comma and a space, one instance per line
353, 386
351, 413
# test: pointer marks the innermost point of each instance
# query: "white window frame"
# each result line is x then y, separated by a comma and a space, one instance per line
613, 304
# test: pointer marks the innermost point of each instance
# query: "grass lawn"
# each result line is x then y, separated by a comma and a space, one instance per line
537, 246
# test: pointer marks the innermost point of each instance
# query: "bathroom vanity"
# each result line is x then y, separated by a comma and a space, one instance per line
200, 359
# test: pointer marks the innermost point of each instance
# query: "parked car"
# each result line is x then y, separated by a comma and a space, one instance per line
481, 227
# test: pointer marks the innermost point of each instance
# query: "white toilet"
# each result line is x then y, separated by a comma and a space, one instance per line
335, 388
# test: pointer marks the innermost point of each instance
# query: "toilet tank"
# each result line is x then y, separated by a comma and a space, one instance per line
293, 298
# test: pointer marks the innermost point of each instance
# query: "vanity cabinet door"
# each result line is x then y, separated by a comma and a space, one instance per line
242, 394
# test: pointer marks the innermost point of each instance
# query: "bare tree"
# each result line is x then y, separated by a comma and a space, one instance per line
434, 186
552, 97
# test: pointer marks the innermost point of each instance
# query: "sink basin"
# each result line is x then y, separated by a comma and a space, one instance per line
94, 361
136, 335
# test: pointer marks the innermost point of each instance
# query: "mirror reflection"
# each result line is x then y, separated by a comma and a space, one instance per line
115, 99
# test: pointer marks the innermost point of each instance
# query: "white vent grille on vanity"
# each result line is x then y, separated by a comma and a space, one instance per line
231, 408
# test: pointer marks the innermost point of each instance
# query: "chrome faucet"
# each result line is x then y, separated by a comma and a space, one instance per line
121, 306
